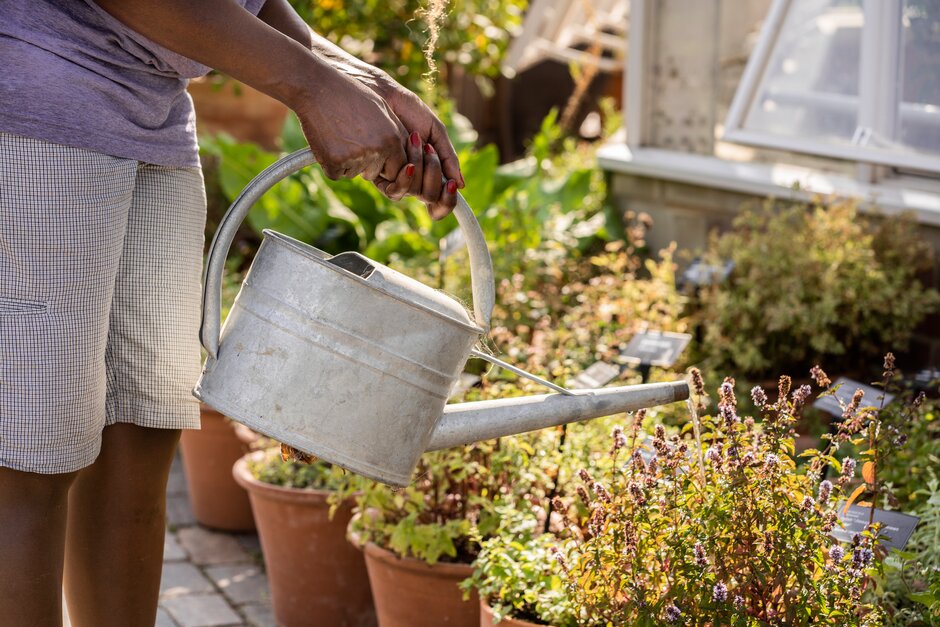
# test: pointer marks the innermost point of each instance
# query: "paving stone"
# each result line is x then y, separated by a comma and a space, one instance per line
241, 583
182, 578
250, 542
208, 548
179, 513
172, 551
163, 619
259, 615
202, 611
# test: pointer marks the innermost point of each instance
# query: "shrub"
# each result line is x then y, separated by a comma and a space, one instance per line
717, 524
813, 283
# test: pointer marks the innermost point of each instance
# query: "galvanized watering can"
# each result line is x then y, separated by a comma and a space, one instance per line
350, 361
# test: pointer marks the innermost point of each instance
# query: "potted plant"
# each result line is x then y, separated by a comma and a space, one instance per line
420, 541
316, 577
208, 455
517, 577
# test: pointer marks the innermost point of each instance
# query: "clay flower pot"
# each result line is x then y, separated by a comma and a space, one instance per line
412, 593
487, 620
208, 455
316, 577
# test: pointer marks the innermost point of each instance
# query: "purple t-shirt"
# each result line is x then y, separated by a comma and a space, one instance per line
72, 74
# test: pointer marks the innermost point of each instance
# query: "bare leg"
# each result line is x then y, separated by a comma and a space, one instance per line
117, 519
33, 511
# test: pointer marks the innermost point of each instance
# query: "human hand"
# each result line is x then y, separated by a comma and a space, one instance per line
422, 177
351, 129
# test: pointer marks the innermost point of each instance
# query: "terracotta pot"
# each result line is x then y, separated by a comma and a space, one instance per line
208, 455
487, 620
316, 577
237, 109
412, 593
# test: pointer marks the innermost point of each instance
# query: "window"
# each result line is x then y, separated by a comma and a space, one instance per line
850, 79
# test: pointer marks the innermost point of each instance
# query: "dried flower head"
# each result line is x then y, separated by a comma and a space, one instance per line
700, 558
636, 492
783, 388
620, 440
585, 476
919, 399
698, 384
820, 377
720, 592
585, 498
556, 553
601, 492
889, 365
852, 407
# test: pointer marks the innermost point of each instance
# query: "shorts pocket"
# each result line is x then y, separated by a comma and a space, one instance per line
18, 307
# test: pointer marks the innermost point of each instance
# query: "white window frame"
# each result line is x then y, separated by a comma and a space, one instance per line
877, 107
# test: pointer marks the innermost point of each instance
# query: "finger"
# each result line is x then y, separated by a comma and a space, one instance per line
402, 183
416, 157
446, 203
395, 154
431, 181
449, 161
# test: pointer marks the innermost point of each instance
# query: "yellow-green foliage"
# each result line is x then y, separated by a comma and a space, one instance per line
814, 283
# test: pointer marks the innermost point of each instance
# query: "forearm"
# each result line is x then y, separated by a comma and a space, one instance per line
280, 15
224, 36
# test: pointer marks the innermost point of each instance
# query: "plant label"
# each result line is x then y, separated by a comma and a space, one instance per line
597, 375
655, 348
701, 274
451, 243
897, 528
830, 404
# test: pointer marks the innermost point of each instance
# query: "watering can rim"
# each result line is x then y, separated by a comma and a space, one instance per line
481, 265
310, 252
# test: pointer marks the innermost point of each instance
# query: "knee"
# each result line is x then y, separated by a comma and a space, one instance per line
33, 494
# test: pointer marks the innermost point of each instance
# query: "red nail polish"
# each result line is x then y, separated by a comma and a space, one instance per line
428, 148
415, 139
410, 169
451, 187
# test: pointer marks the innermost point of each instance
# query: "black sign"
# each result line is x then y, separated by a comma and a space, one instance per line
655, 348
701, 274
847, 387
896, 531
597, 375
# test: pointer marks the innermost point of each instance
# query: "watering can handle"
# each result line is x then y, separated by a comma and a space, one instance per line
481, 266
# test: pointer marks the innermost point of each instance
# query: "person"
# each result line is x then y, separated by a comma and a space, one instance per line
102, 211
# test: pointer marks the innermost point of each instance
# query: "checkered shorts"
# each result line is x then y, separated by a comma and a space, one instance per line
100, 272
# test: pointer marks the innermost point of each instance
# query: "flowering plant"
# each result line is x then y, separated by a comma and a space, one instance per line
716, 523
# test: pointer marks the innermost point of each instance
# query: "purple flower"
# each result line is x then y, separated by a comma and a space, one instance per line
673, 613
620, 440
861, 557
836, 553
800, 395
700, 558
738, 601
848, 468
771, 461
720, 592
808, 504
759, 396
825, 489
713, 454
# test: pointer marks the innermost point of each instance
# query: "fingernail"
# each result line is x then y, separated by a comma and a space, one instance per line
428, 148
415, 139
451, 186
410, 170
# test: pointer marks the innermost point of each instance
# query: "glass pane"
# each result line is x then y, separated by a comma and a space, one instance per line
919, 115
810, 87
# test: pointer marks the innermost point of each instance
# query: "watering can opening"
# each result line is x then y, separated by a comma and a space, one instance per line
353, 262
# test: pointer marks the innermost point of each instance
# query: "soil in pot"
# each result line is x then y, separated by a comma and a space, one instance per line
487, 620
412, 593
208, 455
315, 576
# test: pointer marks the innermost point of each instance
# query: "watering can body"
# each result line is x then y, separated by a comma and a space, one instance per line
350, 361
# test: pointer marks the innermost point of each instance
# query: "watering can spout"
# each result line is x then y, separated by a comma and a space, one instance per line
465, 423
